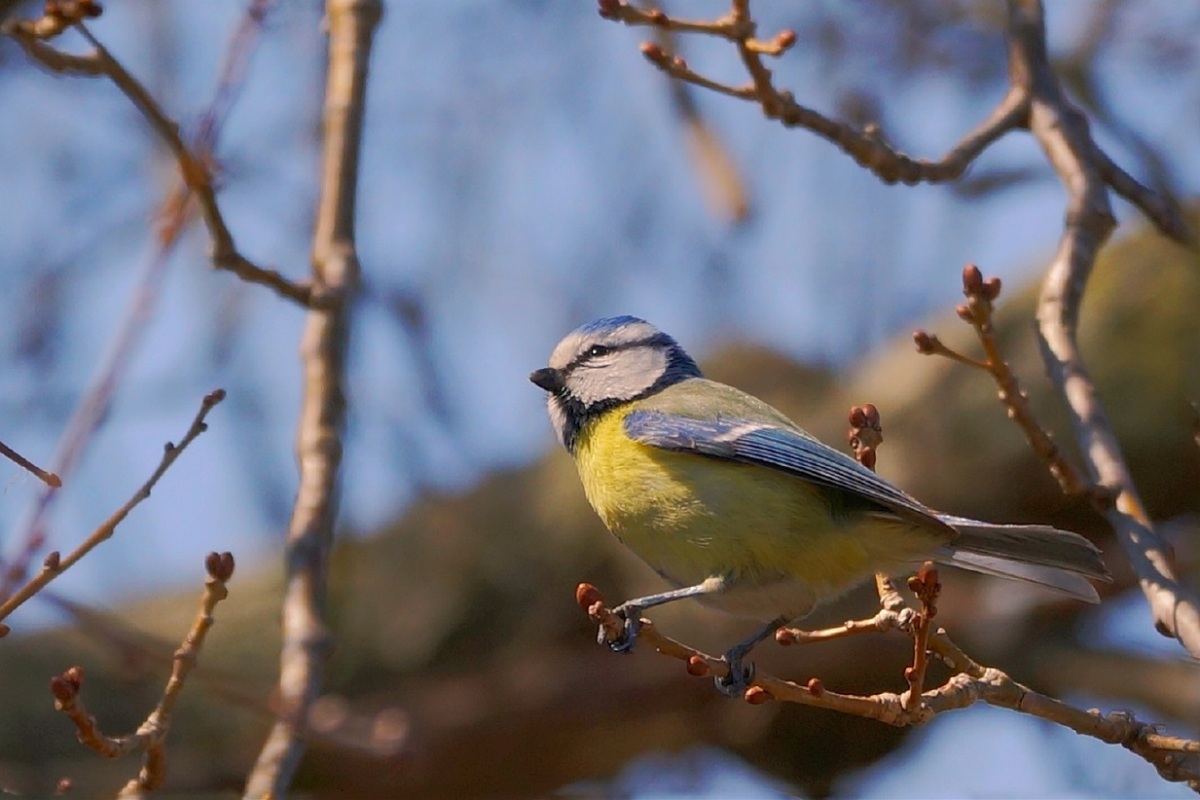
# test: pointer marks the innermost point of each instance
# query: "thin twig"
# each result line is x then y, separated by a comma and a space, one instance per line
868, 147
981, 294
56, 565
93, 407
306, 639
1066, 140
48, 478
194, 168
926, 587
173, 217
150, 737
1177, 759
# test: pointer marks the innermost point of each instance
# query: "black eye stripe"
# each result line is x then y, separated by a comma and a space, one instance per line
659, 339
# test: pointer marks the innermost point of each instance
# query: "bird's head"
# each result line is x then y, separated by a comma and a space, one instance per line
604, 364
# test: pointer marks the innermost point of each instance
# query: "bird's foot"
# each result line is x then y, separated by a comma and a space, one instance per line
632, 615
739, 678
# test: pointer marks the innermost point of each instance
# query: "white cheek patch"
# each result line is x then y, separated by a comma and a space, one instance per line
621, 376
558, 419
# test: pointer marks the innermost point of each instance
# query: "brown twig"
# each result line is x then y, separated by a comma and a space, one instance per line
868, 147
150, 737
195, 168
926, 587
1066, 140
48, 478
56, 565
1177, 759
306, 639
173, 217
865, 436
981, 294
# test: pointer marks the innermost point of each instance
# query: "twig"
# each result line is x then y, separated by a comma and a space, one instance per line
306, 639
868, 147
1068, 145
56, 565
193, 167
981, 294
133, 645
48, 478
150, 737
926, 587
96, 401
1177, 759
173, 218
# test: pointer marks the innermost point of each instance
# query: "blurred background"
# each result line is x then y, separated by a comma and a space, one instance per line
525, 170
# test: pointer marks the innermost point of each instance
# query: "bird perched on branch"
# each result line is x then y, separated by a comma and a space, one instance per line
737, 506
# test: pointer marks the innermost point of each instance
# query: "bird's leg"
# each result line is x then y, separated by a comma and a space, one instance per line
631, 611
739, 678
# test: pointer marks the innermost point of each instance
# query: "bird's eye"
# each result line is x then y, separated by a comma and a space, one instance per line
597, 350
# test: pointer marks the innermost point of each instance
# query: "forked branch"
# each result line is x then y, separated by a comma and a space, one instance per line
56, 565
150, 737
194, 167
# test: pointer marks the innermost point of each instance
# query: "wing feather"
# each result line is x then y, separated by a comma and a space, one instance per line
775, 447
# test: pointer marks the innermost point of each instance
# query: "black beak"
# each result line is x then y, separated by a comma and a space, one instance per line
547, 378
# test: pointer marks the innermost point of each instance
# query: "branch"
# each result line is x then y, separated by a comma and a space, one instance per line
194, 167
867, 147
150, 737
56, 565
173, 217
306, 639
977, 312
48, 478
1067, 142
1176, 759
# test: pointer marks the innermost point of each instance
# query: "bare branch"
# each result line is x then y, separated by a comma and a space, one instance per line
174, 215
1162, 210
1035, 101
48, 478
1067, 142
56, 565
981, 294
1177, 759
306, 640
193, 167
150, 737
867, 147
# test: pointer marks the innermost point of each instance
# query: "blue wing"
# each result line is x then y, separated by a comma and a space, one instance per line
775, 447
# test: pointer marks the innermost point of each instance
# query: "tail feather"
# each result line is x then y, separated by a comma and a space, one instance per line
1059, 560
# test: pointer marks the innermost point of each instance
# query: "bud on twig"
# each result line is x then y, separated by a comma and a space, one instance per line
972, 280
219, 566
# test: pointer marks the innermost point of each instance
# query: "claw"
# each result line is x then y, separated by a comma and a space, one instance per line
633, 622
738, 680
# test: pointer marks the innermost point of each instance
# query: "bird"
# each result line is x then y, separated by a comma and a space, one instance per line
735, 505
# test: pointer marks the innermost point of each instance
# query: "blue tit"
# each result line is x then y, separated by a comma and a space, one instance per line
735, 505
